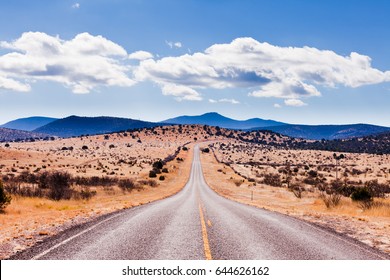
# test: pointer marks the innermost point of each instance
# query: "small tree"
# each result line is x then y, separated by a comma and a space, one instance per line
364, 197
59, 184
158, 164
5, 199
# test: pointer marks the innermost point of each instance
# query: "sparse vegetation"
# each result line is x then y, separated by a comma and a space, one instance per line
127, 185
59, 185
330, 200
272, 180
364, 197
5, 198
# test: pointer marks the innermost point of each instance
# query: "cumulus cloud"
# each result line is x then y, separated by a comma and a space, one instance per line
294, 102
82, 63
174, 44
224, 100
86, 62
263, 69
140, 55
276, 105
10, 84
76, 5
181, 92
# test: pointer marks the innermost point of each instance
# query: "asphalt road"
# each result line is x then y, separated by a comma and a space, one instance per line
197, 223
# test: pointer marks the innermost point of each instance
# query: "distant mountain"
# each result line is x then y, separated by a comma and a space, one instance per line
7, 134
328, 132
371, 144
28, 124
215, 119
76, 126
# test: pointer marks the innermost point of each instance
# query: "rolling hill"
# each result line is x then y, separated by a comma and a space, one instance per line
372, 144
328, 132
215, 119
28, 124
7, 134
76, 126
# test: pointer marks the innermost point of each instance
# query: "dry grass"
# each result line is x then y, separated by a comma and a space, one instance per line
370, 226
252, 160
29, 220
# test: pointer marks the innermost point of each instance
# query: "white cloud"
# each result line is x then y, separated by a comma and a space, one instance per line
232, 101
174, 44
140, 55
86, 62
286, 89
224, 100
181, 92
10, 84
76, 5
263, 69
82, 63
276, 105
294, 102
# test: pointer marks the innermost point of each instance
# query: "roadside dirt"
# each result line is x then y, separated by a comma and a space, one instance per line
30, 220
370, 228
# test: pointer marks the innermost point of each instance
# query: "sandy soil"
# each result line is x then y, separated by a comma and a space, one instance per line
130, 155
253, 160
29, 220
371, 226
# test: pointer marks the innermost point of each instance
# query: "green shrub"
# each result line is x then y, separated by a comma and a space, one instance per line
59, 185
127, 184
361, 194
272, 180
152, 174
158, 164
87, 194
162, 178
364, 197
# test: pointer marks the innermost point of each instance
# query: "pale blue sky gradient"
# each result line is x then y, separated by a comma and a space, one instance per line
340, 26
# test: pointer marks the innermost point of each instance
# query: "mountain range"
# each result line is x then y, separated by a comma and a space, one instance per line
215, 119
7, 134
76, 126
328, 132
28, 124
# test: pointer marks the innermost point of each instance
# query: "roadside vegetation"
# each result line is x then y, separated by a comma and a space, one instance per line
332, 177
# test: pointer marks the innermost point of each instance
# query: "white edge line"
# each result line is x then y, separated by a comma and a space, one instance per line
73, 237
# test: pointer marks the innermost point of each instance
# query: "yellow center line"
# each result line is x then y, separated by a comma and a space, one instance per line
207, 250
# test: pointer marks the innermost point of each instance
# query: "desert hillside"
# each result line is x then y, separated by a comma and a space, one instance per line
103, 173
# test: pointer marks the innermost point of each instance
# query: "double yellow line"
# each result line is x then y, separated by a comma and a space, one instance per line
206, 244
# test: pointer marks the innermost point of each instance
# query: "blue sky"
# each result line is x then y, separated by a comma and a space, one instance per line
310, 62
